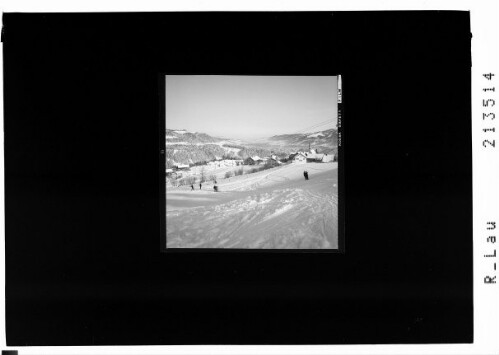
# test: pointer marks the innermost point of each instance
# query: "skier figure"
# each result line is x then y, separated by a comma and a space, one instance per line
215, 188
200, 186
192, 187
306, 175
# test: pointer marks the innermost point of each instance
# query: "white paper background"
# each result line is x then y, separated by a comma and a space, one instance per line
485, 42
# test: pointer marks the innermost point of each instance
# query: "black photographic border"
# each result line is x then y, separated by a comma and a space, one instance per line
82, 206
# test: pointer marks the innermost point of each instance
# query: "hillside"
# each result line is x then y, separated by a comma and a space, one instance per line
190, 154
184, 147
322, 138
180, 136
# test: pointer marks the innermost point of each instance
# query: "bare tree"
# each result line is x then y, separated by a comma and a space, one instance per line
238, 172
203, 175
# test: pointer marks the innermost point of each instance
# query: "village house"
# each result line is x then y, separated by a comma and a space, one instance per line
182, 167
249, 161
276, 158
299, 157
273, 160
314, 156
255, 160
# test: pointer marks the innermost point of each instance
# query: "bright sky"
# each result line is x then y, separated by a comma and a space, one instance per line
250, 106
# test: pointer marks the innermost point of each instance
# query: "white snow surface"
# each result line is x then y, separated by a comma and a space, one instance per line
271, 209
315, 135
178, 143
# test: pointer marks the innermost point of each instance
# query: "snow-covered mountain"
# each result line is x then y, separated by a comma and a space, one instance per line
181, 136
327, 138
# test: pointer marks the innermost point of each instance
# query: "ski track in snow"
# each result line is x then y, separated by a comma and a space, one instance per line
272, 209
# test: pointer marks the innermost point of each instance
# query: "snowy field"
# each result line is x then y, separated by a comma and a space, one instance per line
271, 209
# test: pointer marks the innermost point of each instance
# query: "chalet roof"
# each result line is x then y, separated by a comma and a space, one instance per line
292, 156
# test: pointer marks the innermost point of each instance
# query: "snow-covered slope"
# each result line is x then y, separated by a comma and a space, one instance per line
318, 134
272, 209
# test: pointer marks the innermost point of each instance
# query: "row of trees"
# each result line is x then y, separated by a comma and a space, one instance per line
191, 180
230, 156
237, 172
204, 177
268, 165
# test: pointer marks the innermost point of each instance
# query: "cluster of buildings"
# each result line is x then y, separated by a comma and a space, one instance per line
299, 157
256, 160
311, 156
176, 172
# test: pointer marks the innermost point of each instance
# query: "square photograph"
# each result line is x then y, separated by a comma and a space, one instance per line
251, 162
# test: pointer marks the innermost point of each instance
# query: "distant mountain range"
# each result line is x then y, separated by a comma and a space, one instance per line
181, 135
327, 138
184, 147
